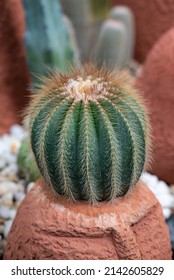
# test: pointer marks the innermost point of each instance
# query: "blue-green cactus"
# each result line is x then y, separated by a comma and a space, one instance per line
125, 16
111, 44
47, 39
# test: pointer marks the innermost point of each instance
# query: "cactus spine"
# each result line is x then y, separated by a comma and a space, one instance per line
89, 134
47, 40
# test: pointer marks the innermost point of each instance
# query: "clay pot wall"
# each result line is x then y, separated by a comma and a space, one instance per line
48, 227
157, 83
14, 77
152, 18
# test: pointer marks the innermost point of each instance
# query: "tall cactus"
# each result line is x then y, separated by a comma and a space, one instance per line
125, 15
47, 40
111, 44
89, 133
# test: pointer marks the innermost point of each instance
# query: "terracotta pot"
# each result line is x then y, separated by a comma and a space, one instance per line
152, 18
48, 227
14, 76
157, 83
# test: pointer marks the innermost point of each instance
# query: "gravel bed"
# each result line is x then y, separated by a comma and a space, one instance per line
13, 187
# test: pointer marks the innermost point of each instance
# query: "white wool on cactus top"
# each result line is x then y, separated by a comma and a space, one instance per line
161, 191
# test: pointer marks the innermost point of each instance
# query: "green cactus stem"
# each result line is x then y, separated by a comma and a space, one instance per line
47, 39
111, 44
125, 15
89, 133
26, 163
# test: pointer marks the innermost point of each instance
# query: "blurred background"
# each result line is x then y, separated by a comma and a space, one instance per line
39, 35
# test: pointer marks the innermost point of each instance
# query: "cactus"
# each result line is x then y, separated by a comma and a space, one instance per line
89, 133
47, 41
79, 13
26, 163
111, 44
72, 36
125, 15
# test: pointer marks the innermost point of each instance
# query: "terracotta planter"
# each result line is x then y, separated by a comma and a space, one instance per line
157, 83
14, 76
47, 227
152, 18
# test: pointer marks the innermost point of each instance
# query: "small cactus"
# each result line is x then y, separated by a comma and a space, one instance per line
111, 44
26, 164
125, 15
89, 133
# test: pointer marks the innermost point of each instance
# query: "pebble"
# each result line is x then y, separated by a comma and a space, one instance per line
19, 196
12, 214
29, 186
2, 162
7, 227
9, 170
161, 191
4, 213
17, 131
6, 187
167, 212
6, 199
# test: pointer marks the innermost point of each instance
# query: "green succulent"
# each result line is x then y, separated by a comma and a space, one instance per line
26, 163
89, 133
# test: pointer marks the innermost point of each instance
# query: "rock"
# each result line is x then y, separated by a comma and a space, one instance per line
157, 83
2, 162
18, 196
6, 187
12, 214
14, 149
10, 170
150, 180
167, 213
4, 213
161, 191
50, 227
159, 15
17, 132
10, 158
7, 227
29, 186
167, 201
6, 200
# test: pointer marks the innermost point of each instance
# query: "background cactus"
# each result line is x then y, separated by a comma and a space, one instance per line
89, 134
26, 163
47, 40
86, 16
110, 48
125, 15
50, 43
116, 39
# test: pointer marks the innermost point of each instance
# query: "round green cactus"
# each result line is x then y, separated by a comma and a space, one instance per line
89, 133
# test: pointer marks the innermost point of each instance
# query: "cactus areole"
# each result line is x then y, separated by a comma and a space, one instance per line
89, 134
